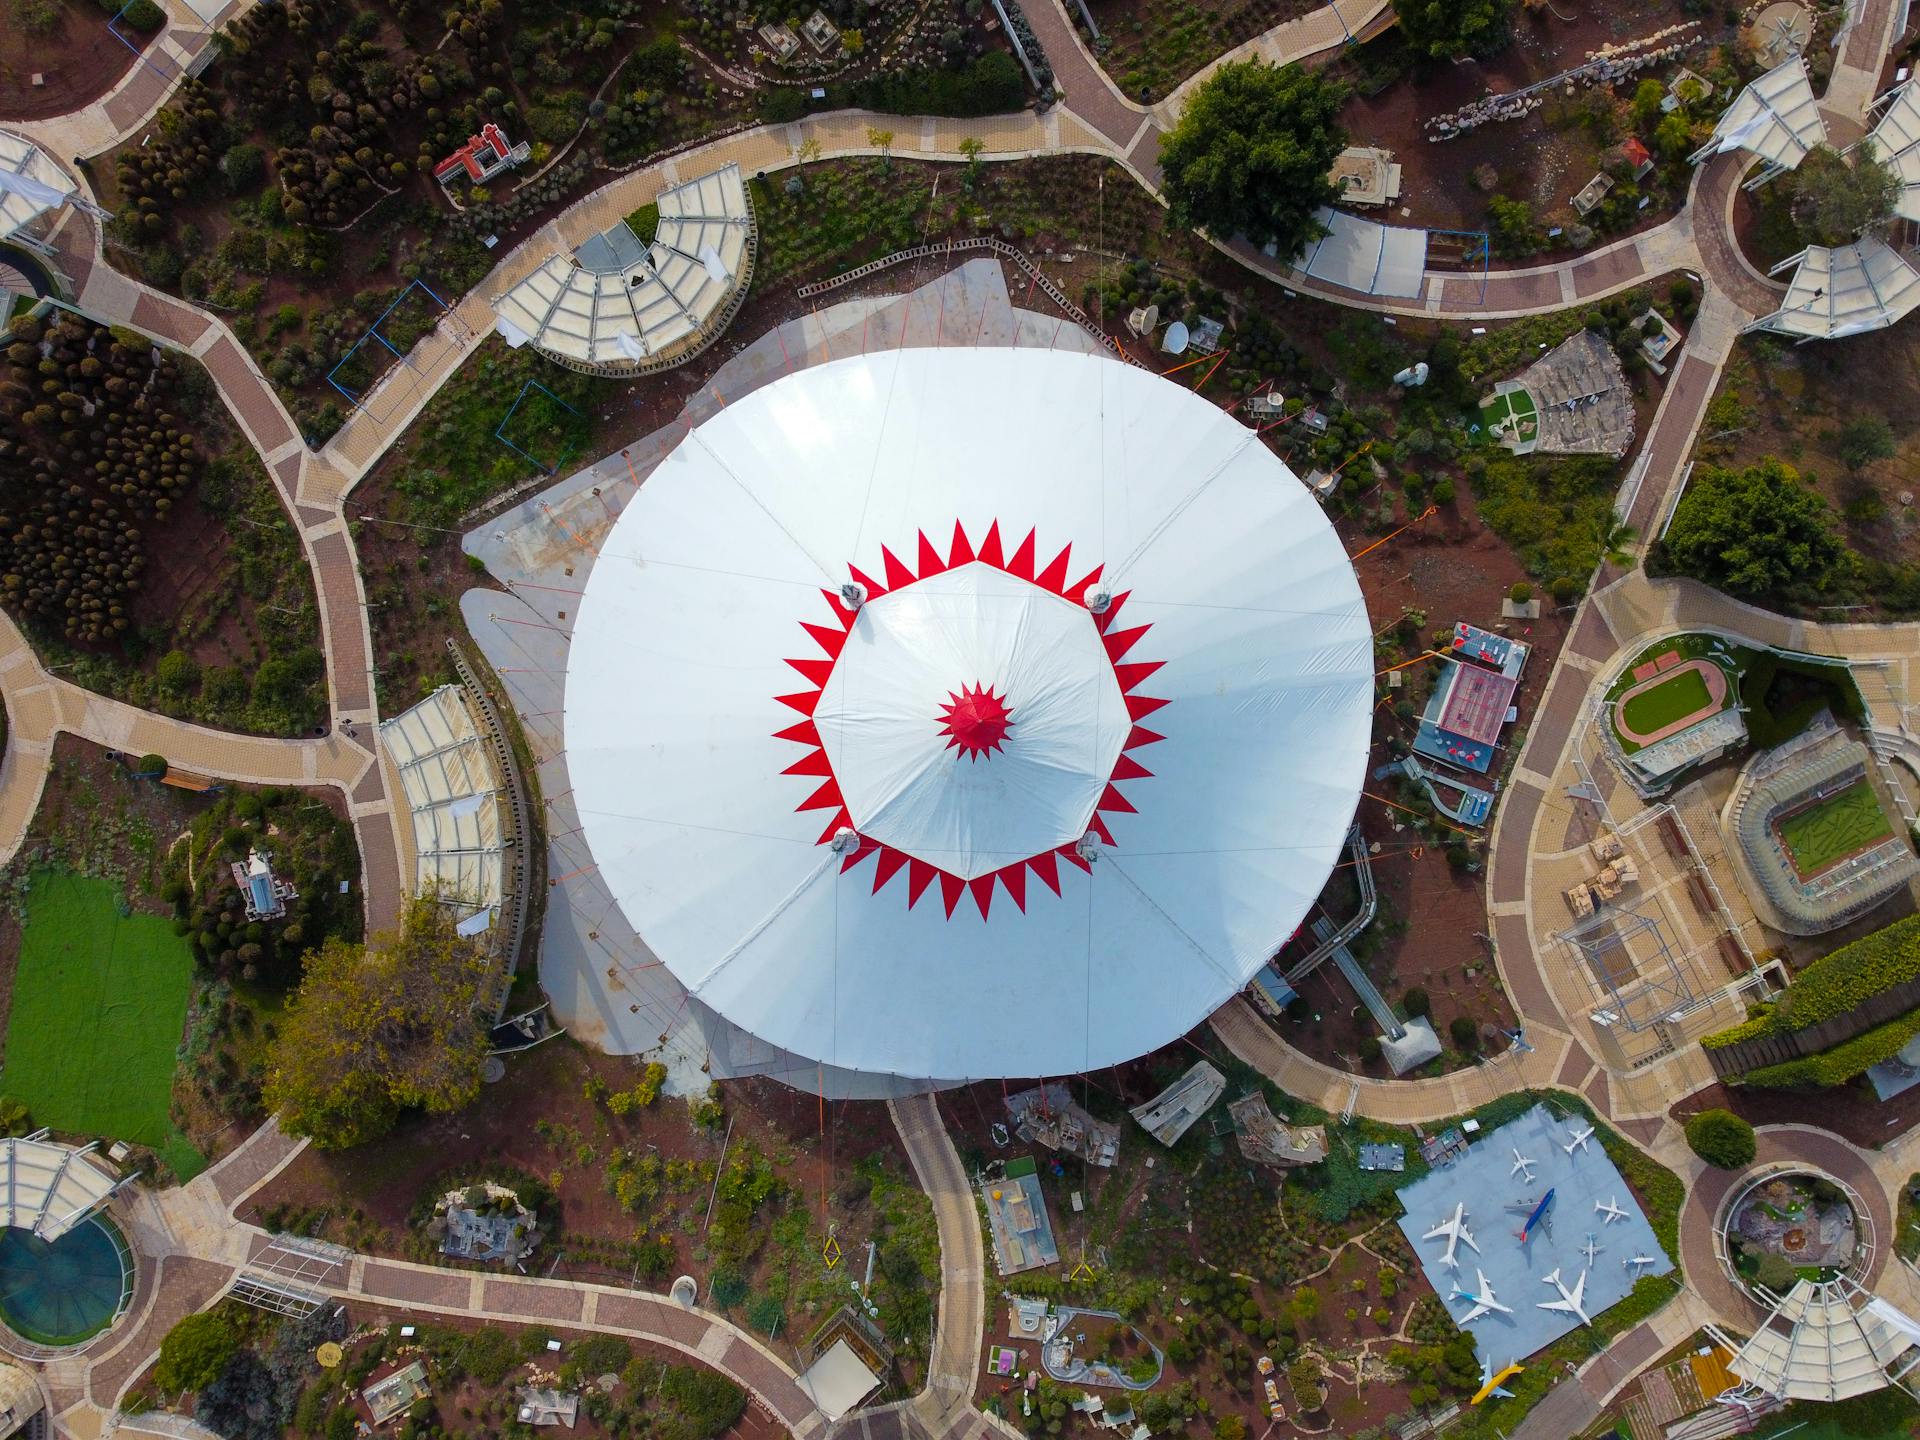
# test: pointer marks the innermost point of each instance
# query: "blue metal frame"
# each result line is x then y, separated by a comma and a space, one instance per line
1486, 253
500, 431
373, 333
140, 51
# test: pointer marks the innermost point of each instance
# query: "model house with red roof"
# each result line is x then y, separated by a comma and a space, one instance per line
483, 156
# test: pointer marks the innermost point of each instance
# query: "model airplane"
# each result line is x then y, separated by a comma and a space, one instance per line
1610, 1208
1490, 1381
1634, 1262
1485, 1302
1571, 1301
1536, 1213
1591, 1249
1455, 1229
1522, 1166
1580, 1138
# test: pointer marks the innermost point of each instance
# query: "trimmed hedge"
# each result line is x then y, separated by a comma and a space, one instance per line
1842, 1062
1836, 983
1753, 1029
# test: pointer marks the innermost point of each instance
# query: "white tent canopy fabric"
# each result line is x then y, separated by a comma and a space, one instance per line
659, 302
1366, 256
1775, 117
838, 1381
30, 184
1848, 290
730, 721
452, 785
1828, 1340
48, 1187
1896, 142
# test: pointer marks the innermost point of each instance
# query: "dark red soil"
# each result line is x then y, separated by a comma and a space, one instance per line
1852, 1111
78, 59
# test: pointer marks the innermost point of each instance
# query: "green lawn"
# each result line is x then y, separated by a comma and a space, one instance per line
99, 1003
1672, 699
1837, 827
1515, 403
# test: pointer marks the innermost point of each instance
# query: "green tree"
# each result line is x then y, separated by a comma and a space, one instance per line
1754, 533
1306, 1305
1776, 1272
1722, 1139
1415, 1002
1450, 29
378, 1028
1863, 440
194, 1351
1647, 96
1251, 151
1836, 198
1514, 233
1673, 136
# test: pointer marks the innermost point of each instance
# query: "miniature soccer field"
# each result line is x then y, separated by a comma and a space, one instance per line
1821, 836
1672, 699
99, 1003
1516, 405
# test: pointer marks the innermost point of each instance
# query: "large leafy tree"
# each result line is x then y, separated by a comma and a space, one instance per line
1450, 29
381, 1027
1754, 533
1251, 152
1837, 198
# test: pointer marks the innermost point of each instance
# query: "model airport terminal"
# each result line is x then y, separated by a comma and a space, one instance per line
919, 722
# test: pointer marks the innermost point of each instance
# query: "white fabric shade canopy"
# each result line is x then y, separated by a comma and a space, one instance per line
966, 727
1896, 142
1846, 290
30, 184
1775, 117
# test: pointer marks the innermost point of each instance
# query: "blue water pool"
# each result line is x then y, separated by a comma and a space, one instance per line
63, 1291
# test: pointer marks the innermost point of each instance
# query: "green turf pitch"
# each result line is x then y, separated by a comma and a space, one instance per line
1839, 826
1672, 699
99, 1003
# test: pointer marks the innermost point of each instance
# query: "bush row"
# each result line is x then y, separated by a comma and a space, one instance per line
1841, 1063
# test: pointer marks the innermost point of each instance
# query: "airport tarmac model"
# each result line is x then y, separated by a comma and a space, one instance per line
1609, 1208
1571, 1301
1580, 1138
1537, 1216
1485, 1302
1455, 1230
1522, 1166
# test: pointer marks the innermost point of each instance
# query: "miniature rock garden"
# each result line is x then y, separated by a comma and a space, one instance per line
1792, 1227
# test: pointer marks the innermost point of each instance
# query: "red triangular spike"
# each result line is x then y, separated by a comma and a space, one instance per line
1127, 768
840, 612
919, 875
1099, 827
990, 549
1079, 587
1021, 565
1112, 612
1055, 575
930, 561
803, 703
815, 670
982, 887
812, 763
1141, 706
874, 588
831, 638
1043, 865
803, 733
1118, 642
841, 821
825, 798
1129, 675
1113, 800
865, 848
1140, 735
890, 862
951, 887
962, 551
897, 574
1075, 856
1014, 877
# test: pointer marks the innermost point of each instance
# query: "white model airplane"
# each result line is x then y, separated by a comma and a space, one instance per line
1591, 1249
1485, 1302
1570, 1301
1455, 1229
1579, 1140
1634, 1262
1522, 1166
1610, 1209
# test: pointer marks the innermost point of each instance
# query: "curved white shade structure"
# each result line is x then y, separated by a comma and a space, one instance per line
964, 727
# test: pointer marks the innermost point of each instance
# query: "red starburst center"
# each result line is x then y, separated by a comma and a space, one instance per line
975, 721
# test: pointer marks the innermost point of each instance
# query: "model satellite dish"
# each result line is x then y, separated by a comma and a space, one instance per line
1175, 340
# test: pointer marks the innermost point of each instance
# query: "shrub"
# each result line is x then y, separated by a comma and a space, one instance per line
709, 1403
1521, 592
1848, 977
1722, 1139
1776, 1272
194, 1352
153, 765
1465, 1033
1840, 1064
144, 16
1415, 1002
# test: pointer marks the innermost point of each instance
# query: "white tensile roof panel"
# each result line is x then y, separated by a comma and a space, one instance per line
1848, 290
1820, 1346
967, 725
838, 1381
452, 784
32, 193
1775, 117
1896, 141
49, 1188
1366, 256
659, 300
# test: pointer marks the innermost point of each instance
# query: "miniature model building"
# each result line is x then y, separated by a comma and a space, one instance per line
1365, 175
484, 156
1017, 1215
265, 893
543, 1405
1266, 1140
484, 1222
395, 1393
1045, 1115
1171, 1113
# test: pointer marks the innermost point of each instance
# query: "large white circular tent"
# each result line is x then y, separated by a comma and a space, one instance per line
968, 713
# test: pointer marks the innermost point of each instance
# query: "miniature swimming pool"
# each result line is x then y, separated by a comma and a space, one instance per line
61, 1292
